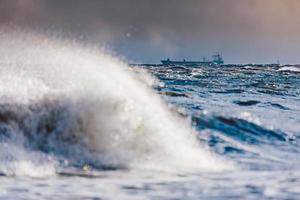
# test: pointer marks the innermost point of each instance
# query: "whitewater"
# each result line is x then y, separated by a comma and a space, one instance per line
78, 123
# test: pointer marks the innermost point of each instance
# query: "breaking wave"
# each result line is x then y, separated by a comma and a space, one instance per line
67, 106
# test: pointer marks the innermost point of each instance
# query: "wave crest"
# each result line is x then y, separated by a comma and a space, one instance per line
82, 107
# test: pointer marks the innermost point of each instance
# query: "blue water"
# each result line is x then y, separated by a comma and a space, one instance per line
250, 115
237, 109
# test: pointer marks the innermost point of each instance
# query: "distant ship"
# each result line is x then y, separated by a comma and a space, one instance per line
216, 60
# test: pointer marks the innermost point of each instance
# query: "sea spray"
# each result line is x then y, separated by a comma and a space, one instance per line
74, 107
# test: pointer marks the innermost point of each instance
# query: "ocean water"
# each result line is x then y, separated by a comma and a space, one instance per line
76, 123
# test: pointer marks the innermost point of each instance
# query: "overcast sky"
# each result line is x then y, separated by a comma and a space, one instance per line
149, 30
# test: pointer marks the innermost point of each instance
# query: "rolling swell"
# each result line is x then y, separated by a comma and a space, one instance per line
248, 114
240, 129
64, 106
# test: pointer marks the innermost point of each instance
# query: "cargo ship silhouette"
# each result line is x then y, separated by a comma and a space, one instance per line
216, 60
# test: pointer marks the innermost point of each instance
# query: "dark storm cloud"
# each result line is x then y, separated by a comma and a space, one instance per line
147, 30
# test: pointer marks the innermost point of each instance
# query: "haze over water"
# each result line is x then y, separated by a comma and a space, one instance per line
248, 31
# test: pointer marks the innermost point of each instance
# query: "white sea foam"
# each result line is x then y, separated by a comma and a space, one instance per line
84, 106
289, 69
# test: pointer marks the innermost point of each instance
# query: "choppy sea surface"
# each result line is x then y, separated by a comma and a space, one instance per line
246, 114
76, 123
